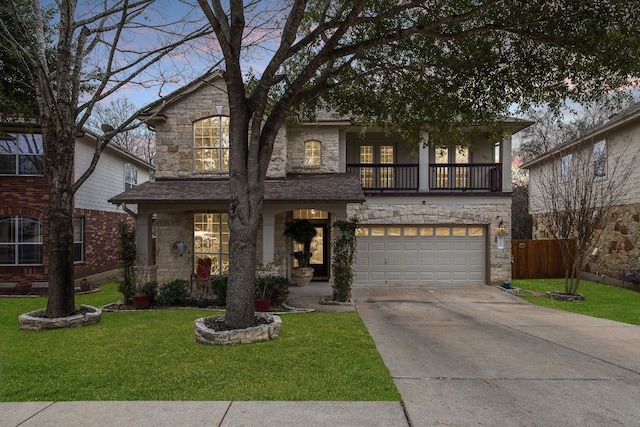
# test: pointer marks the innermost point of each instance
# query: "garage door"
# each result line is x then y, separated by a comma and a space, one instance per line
433, 255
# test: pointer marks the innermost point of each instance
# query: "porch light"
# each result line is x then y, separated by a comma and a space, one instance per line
180, 247
501, 230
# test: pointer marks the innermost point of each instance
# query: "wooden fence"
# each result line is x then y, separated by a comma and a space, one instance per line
537, 259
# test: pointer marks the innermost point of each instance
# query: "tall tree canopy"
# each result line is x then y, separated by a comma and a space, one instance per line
431, 65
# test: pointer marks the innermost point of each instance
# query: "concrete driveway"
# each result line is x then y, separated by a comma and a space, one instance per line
476, 355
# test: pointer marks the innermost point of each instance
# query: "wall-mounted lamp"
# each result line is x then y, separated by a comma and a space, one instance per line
180, 247
501, 230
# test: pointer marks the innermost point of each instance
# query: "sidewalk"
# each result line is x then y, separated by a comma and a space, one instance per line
197, 414
213, 413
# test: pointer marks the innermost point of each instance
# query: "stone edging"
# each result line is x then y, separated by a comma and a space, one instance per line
266, 332
33, 321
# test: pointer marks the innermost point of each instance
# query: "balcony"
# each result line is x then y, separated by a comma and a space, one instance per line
443, 177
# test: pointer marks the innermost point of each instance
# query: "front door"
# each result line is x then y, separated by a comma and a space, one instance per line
320, 245
320, 248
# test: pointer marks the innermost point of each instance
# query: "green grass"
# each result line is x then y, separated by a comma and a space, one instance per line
152, 355
604, 301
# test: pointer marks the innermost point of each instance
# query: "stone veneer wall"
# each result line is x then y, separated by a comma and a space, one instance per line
329, 138
618, 243
170, 264
174, 138
489, 214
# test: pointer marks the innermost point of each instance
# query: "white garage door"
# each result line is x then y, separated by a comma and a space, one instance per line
433, 255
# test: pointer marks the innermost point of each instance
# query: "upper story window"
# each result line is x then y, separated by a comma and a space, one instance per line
20, 241
130, 176
380, 177
600, 158
565, 168
211, 144
313, 153
21, 154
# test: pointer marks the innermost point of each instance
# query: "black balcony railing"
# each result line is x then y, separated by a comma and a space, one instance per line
442, 177
464, 177
386, 177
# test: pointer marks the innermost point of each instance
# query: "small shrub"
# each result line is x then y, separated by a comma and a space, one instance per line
151, 289
219, 286
275, 288
173, 293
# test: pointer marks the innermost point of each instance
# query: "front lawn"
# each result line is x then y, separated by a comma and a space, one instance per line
604, 301
152, 355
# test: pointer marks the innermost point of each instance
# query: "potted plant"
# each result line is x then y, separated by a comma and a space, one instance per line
301, 231
261, 299
271, 291
145, 297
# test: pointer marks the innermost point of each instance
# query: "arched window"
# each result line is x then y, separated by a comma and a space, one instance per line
20, 241
211, 144
313, 153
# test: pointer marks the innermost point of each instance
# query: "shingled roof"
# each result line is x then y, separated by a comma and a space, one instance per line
330, 187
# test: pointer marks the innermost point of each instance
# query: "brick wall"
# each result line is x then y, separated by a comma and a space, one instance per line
28, 196
101, 241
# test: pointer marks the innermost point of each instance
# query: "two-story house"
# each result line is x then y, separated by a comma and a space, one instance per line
428, 215
612, 151
23, 211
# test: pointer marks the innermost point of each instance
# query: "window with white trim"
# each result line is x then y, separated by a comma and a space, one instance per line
20, 241
211, 144
78, 239
312, 153
211, 241
565, 168
21, 154
130, 176
600, 158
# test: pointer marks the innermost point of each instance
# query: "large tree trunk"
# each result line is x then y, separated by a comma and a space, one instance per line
245, 205
59, 160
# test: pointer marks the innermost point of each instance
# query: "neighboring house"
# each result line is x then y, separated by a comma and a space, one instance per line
23, 212
614, 144
430, 216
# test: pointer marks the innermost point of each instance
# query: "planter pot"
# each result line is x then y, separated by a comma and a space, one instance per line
262, 304
302, 275
202, 303
142, 302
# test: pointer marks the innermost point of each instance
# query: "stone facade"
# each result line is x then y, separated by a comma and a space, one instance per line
617, 243
330, 139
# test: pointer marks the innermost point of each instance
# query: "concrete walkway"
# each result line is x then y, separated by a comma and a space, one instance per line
461, 356
472, 356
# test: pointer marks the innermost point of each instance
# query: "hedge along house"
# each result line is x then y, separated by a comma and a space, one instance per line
23, 212
439, 216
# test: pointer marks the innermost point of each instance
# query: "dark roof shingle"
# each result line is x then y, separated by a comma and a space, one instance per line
329, 187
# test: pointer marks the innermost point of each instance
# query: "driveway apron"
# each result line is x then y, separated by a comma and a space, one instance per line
476, 355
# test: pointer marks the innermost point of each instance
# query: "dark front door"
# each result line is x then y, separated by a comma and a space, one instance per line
320, 248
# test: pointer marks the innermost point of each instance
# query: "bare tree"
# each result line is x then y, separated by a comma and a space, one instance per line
573, 195
98, 49
137, 139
